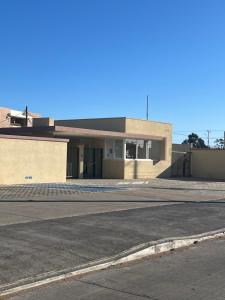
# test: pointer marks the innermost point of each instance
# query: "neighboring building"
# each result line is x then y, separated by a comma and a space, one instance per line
15, 118
122, 148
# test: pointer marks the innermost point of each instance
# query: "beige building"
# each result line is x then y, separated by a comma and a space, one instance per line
122, 148
10, 118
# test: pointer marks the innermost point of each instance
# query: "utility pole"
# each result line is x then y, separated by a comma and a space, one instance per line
147, 109
26, 114
208, 133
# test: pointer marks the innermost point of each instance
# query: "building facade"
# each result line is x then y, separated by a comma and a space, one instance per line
122, 148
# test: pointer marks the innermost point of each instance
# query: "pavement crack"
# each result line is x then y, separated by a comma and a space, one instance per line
116, 290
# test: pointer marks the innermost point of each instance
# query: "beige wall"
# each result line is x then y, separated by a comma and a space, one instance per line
44, 160
134, 169
140, 169
164, 130
113, 169
40, 122
208, 164
152, 128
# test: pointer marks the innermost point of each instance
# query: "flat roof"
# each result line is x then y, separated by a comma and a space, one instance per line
114, 118
63, 131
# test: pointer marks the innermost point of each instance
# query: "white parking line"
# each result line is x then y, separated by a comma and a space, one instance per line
132, 182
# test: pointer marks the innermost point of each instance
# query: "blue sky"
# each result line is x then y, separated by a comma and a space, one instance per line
100, 58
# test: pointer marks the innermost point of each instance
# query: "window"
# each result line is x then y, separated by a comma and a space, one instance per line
131, 149
138, 149
141, 149
135, 149
109, 149
114, 149
118, 148
149, 148
156, 151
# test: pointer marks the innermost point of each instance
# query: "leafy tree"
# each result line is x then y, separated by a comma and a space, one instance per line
219, 143
195, 140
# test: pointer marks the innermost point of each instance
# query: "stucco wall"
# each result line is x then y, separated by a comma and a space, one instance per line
164, 130
113, 169
135, 169
208, 164
140, 169
32, 161
152, 128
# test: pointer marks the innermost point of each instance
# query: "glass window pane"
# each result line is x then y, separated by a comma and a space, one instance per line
131, 149
109, 149
118, 149
155, 151
141, 148
149, 147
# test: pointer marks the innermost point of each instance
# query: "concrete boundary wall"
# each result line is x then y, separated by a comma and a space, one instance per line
32, 160
208, 163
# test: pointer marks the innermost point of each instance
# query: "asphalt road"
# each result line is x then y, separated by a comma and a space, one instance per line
29, 249
66, 226
195, 273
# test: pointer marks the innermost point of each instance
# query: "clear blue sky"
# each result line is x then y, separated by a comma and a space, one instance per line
99, 58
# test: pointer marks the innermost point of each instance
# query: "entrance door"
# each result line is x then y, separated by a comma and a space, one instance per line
72, 161
93, 162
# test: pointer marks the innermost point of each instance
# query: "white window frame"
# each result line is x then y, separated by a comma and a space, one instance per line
124, 151
140, 159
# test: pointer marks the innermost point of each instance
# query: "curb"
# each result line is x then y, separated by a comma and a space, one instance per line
132, 254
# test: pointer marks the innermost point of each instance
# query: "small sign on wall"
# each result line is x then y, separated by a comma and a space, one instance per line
28, 177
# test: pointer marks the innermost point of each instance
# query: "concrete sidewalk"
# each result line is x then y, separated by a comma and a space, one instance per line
196, 273
158, 189
35, 248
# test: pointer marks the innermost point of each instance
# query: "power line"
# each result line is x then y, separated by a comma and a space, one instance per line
211, 138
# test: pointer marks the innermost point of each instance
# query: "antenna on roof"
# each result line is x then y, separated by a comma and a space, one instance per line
147, 109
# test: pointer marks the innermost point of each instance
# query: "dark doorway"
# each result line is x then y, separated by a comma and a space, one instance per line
72, 161
93, 162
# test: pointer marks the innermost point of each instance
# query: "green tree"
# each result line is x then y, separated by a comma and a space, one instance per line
195, 140
219, 143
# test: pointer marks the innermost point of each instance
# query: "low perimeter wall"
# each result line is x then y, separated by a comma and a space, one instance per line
32, 160
208, 164
135, 169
